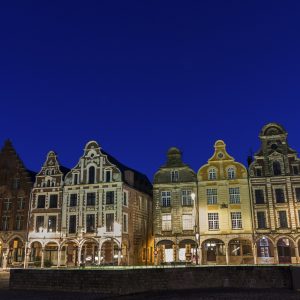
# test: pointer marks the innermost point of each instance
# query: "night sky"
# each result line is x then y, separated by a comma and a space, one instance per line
142, 76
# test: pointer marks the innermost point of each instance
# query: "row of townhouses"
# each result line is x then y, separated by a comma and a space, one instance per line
104, 213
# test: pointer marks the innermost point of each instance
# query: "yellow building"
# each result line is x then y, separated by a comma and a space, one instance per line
224, 211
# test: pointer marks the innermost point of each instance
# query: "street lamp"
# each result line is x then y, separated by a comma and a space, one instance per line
197, 235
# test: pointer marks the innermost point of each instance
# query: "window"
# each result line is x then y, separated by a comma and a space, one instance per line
231, 173
16, 183
21, 203
295, 170
234, 195
125, 198
261, 220
299, 216
72, 224
140, 202
186, 198
166, 222
212, 174
259, 197
166, 199
258, 172
174, 176
110, 222
7, 204
125, 223
90, 199
5, 223
52, 224
282, 219
297, 192
276, 168
110, 197
264, 247
19, 222
41, 201
90, 223
213, 221
53, 201
39, 223
73, 200
187, 222
212, 196
91, 175
236, 220
279, 194
107, 175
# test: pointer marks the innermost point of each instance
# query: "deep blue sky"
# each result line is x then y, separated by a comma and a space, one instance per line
142, 76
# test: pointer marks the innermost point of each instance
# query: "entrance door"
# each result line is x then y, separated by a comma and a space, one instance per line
211, 254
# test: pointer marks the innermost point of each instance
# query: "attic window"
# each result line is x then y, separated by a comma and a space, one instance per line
174, 176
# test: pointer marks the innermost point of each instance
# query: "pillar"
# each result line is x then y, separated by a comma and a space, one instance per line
200, 255
297, 254
276, 259
99, 256
119, 256
227, 255
254, 250
79, 256
5, 256
58, 257
43, 257
27, 257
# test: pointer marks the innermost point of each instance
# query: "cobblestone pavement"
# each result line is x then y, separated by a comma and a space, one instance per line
188, 295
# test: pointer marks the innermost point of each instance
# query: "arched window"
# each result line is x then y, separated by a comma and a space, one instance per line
48, 182
276, 168
212, 174
91, 174
231, 173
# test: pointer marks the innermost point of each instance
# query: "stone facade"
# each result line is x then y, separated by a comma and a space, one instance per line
98, 213
175, 211
225, 210
275, 188
15, 186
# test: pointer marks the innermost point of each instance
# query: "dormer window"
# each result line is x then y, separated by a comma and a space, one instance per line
231, 173
75, 178
276, 168
258, 172
174, 176
295, 170
212, 174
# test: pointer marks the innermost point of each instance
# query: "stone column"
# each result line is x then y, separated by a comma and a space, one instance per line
99, 256
227, 255
58, 257
254, 250
200, 255
276, 259
297, 255
119, 256
43, 257
5, 256
27, 257
79, 256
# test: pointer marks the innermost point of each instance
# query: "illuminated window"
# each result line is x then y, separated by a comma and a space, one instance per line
236, 220
52, 224
166, 222
39, 223
187, 222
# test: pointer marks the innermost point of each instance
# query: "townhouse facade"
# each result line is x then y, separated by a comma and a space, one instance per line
274, 177
15, 187
97, 213
175, 211
225, 210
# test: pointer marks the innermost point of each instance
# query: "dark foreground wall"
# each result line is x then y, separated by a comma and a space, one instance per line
141, 280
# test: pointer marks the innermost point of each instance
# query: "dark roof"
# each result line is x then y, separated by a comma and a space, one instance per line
141, 181
64, 170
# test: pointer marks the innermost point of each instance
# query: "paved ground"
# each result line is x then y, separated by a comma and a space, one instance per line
187, 295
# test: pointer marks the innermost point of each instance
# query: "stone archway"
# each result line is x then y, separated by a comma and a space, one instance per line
16, 252
110, 253
89, 252
187, 251
69, 254
240, 252
214, 252
285, 250
36, 250
51, 254
265, 251
166, 251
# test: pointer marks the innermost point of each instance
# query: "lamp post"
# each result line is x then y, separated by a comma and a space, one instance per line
197, 235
